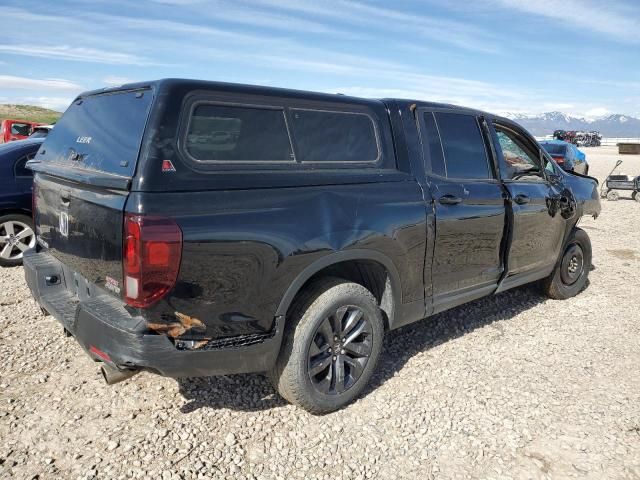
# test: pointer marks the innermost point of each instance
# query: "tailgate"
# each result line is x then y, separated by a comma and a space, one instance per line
82, 227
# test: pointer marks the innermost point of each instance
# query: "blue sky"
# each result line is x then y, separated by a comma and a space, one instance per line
529, 56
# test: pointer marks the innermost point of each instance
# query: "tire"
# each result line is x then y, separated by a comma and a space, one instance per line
16, 236
636, 196
307, 371
613, 196
572, 271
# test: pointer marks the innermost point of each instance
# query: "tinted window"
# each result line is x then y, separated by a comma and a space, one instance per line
238, 134
100, 132
432, 142
463, 146
322, 136
555, 148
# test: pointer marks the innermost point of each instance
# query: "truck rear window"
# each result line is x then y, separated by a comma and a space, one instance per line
100, 132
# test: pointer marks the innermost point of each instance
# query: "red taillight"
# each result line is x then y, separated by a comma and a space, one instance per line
559, 159
151, 258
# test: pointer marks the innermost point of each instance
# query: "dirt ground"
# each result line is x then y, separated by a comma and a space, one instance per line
513, 386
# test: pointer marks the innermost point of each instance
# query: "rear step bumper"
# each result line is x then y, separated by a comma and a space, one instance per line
103, 324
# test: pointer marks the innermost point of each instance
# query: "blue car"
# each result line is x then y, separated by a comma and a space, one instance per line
567, 156
16, 226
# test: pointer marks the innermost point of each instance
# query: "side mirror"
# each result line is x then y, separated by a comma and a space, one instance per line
555, 179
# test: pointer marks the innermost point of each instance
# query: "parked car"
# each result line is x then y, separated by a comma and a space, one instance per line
41, 131
567, 155
16, 225
11, 130
291, 244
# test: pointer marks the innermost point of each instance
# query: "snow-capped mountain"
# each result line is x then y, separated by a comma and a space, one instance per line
609, 126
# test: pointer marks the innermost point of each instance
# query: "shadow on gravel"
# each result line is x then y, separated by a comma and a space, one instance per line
255, 393
402, 344
247, 393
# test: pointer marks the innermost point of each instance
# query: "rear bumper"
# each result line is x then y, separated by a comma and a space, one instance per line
103, 323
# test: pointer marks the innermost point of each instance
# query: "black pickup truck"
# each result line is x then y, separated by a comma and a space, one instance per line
192, 228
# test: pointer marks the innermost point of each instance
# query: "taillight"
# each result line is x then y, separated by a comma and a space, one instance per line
558, 159
152, 249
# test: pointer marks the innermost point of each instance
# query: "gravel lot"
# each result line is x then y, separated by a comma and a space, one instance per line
510, 386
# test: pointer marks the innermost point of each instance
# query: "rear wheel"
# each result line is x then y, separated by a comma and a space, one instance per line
16, 237
571, 274
613, 196
636, 196
332, 343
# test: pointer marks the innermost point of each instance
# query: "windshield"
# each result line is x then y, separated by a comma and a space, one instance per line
555, 148
100, 132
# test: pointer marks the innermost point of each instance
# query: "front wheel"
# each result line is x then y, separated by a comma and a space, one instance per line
571, 273
332, 342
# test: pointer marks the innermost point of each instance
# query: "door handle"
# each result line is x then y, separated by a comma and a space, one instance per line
521, 199
449, 200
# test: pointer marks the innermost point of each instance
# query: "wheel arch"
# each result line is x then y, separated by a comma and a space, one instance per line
389, 297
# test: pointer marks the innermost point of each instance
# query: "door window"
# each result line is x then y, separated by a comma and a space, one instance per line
21, 169
463, 146
519, 160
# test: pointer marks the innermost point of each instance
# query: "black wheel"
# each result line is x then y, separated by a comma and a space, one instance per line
332, 342
571, 273
636, 196
16, 237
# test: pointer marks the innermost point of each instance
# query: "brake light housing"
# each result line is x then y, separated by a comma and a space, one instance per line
151, 254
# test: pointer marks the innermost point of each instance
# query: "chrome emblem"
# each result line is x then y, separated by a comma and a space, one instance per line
63, 224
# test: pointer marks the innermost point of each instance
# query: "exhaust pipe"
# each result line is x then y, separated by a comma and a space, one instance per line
112, 375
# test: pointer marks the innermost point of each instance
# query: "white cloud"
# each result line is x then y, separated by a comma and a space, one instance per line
605, 17
597, 112
462, 35
82, 54
51, 84
114, 80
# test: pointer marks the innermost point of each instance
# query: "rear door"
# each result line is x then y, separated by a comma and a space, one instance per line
84, 169
538, 227
469, 207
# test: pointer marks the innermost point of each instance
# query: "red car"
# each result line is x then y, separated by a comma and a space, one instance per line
15, 130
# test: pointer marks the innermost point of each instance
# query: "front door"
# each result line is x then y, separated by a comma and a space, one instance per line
538, 226
469, 208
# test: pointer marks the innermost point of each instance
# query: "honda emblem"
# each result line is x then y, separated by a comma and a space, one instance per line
64, 224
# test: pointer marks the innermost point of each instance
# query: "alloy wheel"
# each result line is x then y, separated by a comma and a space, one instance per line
15, 239
340, 350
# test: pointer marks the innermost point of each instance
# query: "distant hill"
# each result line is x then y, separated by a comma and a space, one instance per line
28, 112
609, 126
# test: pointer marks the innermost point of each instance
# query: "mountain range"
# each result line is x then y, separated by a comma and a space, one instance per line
615, 125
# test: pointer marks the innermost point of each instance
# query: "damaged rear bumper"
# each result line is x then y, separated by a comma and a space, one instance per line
102, 325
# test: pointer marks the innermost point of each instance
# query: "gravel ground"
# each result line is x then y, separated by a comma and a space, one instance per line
514, 386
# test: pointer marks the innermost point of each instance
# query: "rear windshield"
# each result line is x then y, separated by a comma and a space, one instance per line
555, 149
100, 132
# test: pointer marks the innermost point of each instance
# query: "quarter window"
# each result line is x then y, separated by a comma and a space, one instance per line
238, 134
323, 136
464, 149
